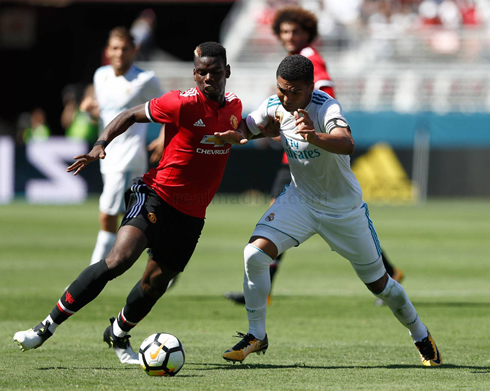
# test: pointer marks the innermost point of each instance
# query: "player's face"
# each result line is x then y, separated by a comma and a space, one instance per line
294, 95
120, 53
210, 74
293, 37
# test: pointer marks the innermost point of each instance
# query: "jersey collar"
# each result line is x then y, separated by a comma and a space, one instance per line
209, 102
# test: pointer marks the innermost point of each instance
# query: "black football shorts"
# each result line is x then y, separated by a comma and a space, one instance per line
172, 235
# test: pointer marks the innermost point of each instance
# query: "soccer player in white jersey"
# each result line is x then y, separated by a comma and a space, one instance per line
324, 198
119, 86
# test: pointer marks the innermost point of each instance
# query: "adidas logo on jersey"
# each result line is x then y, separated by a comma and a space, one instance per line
199, 123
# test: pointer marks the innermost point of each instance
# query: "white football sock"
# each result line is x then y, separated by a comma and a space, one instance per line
397, 300
105, 241
52, 326
118, 332
256, 288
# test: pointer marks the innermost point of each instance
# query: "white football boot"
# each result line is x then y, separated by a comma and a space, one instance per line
33, 338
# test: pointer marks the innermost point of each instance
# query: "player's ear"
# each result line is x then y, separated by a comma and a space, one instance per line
194, 74
228, 71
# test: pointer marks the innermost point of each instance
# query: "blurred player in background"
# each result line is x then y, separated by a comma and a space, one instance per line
324, 198
166, 207
296, 29
119, 86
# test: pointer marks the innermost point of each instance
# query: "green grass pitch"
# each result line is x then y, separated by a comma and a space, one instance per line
324, 330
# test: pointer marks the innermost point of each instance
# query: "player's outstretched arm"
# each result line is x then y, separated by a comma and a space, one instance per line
116, 127
239, 136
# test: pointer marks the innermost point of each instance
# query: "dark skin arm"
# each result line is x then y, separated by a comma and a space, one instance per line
116, 127
338, 141
242, 134
156, 146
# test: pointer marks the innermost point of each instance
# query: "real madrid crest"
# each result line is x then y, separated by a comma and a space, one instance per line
270, 217
234, 122
152, 217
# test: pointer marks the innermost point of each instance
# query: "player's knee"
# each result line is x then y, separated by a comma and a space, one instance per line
255, 259
153, 290
156, 284
378, 286
117, 264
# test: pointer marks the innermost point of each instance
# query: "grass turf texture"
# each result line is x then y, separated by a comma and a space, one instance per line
324, 330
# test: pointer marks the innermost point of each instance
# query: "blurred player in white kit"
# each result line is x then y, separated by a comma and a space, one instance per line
119, 86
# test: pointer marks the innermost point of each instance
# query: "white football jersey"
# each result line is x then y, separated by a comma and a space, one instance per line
127, 152
322, 179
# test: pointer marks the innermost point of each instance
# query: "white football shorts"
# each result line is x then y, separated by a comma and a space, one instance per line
111, 200
290, 221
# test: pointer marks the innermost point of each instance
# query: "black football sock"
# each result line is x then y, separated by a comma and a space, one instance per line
82, 291
138, 305
388, 266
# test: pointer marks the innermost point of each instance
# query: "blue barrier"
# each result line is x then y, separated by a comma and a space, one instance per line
452, 130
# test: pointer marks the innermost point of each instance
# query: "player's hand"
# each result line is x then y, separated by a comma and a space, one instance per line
156, 149
81, 161
305, 125
235, 137
272, 128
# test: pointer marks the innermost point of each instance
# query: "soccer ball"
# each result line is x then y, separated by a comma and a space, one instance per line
162, 355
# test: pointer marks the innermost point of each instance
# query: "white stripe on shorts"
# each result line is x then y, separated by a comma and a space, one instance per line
140, 200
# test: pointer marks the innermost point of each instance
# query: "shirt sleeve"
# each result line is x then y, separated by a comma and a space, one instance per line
165, 109
325, 86
261, 115
332, 115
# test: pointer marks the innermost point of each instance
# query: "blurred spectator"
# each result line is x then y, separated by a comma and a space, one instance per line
80, 114
32, 127
70, 97
143, 32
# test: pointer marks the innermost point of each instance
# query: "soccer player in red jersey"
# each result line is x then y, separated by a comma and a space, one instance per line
165, 207
297, 28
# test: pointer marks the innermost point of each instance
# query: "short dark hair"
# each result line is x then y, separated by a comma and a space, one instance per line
296, 67
304, 18
122, 33
210, 49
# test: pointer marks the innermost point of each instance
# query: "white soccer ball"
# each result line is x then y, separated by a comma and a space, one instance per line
162, 355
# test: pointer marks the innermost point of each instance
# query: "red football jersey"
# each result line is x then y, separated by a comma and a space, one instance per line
321, 77
193, 161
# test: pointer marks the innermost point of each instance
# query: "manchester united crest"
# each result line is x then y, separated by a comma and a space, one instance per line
152, 217
270, 217
234, 122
